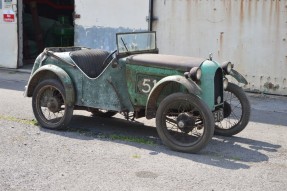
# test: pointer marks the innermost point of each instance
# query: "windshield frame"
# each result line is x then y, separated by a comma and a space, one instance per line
131, 52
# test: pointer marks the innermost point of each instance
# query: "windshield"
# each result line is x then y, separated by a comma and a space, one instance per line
136, 42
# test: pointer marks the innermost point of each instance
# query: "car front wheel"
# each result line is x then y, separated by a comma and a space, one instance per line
184, 122
49, 105
236, 112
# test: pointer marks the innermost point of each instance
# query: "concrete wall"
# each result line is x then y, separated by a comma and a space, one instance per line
250, 33
100, 20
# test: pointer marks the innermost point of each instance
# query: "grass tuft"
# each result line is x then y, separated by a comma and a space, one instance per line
18, 120
136, 156
126, 138
131, 139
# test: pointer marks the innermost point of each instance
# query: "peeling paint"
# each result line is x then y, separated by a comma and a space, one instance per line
250, 33
269, 85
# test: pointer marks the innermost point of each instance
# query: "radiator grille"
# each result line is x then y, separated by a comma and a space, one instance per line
218, 85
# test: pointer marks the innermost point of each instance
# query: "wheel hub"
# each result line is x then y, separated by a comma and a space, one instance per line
53, 105
185, 122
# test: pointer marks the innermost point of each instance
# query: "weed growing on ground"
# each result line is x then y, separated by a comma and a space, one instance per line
126, 138
18, 120
131, 139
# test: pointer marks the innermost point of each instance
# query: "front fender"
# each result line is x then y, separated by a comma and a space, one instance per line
46, 72
191, 87
238, 77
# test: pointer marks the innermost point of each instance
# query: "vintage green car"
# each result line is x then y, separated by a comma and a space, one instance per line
190, 98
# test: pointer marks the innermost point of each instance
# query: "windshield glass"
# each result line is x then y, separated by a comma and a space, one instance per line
136, 42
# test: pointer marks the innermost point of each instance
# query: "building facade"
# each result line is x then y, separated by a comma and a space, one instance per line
252, 34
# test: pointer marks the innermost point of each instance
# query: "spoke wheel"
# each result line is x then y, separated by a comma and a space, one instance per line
236, 112
184, 122
49, 105
103, 113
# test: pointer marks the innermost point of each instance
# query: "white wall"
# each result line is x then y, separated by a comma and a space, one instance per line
8, 39
111, 13
250, 33
101, 19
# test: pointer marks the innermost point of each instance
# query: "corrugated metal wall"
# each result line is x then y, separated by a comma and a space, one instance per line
250, 33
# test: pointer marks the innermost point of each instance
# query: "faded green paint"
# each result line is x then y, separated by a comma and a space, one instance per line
74, 73
153, 97
38, 62
60, 73
124, 86
141, 80
208, 69
238, 77
107, 91
136, 74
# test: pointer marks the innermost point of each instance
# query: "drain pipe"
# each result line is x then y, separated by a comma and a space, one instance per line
150, 18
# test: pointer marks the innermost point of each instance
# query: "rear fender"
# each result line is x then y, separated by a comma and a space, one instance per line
151, 105
238, 77
52, 71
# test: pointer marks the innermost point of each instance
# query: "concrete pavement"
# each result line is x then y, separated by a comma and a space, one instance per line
33, 158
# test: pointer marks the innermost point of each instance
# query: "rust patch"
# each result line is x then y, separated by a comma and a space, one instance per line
249, 8
220, 45
272, 86
228, 8
271, 12
241, 11
256, 7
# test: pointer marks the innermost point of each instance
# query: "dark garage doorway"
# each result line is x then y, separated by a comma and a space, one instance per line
46, 23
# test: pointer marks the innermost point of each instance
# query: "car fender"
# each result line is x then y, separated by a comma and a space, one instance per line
238, 76
45, 72
190, 85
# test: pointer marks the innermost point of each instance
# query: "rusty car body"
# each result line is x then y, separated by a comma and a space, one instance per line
190, 98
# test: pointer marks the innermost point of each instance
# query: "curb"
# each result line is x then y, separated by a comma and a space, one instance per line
271, 103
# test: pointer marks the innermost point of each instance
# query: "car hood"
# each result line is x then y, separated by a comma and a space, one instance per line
165, 61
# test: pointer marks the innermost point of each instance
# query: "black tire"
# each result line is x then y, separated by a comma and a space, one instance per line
103, 113
184, 122
49, 105
236, 112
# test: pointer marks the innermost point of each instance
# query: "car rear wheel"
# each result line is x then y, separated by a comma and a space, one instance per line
184, 122
236, 112
49, 105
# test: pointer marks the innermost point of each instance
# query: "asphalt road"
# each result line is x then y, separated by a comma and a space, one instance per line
91, 155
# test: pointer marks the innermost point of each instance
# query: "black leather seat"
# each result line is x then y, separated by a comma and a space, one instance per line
91, 61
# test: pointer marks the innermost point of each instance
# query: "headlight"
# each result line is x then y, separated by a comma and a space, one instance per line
227, 66
225, 83
198, 74
195, 73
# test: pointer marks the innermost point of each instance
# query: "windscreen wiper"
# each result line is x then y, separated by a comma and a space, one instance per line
124, 44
